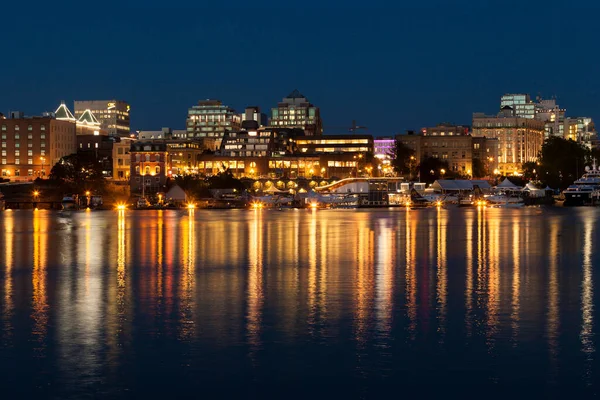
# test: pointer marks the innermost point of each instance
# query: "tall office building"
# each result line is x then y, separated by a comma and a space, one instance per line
113, 115
295, 111
521, 104
211, 118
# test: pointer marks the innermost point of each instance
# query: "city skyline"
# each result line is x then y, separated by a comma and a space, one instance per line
405, 68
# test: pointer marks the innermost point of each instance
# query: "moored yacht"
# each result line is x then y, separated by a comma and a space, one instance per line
585, 190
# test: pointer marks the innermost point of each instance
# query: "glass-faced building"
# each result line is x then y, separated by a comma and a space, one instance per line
295, 111
211, 118
520, 103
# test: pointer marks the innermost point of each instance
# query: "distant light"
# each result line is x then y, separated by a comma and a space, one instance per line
121, 206
191, 206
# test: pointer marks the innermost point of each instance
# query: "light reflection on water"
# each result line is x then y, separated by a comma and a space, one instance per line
97, 300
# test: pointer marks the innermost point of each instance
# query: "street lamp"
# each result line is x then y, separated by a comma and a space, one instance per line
442, 171
43, 159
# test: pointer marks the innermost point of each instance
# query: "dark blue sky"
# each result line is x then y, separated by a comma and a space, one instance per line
390, 67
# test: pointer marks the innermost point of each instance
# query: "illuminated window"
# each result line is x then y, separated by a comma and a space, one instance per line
157, 170
29, 127
17, 161
17, 153
30, 161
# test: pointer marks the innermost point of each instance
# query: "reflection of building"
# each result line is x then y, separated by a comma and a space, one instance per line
148, 166
113, 115
458, 151
335, 144
210, 118
520, 139
30, 146
295, 111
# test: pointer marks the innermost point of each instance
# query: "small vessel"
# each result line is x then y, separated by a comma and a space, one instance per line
143, 203
585, 190
69, 203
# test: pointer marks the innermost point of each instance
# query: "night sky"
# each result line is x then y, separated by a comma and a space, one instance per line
391, 68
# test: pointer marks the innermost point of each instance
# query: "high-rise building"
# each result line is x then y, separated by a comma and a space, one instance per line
211, 118
30, 146
520, 138
521, 104
295, 111
113, 115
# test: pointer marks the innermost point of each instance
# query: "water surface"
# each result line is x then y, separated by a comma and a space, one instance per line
299, 304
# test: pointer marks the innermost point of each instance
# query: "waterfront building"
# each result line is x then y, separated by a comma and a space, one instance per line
211, 118
459, 151
520, 139
148, 166
295, 111
335, 144
113, 115
100, 147
308, 166
183, 156
121, 159
30, 146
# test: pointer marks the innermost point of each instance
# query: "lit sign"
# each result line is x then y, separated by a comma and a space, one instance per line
111, 105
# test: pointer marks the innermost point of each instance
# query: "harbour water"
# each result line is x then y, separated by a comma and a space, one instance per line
300, 303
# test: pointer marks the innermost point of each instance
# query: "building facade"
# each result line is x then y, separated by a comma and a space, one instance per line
121, 159
520, 139
295, 111
113, 115
446, 129
459, 151
31, 146
335, 144
211, 118
148, 167
309, 166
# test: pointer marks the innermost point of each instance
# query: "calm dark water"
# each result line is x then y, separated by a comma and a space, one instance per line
300, 304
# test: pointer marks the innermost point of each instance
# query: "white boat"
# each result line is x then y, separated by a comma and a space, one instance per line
69, 203
585, 190
504, 200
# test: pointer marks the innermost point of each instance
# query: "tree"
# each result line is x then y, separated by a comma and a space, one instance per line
225, 180
562, 161
479, 170
432, 169
402, 158
530, 170
81, 170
